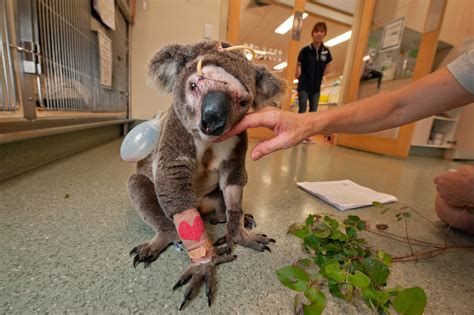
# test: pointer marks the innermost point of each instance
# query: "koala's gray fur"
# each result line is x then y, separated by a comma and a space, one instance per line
187, 170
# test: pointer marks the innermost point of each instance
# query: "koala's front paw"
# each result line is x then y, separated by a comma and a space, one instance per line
240, 236
199, 273
148, 252
249, 221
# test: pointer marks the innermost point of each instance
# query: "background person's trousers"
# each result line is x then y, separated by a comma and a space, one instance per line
303, 97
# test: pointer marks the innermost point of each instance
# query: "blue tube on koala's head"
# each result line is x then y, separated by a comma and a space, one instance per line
141, 140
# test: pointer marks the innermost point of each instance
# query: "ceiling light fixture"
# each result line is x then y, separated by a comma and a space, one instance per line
339, 39
287, 25
281, 66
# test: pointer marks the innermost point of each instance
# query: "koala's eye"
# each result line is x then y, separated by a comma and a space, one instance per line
243, 103
193, 86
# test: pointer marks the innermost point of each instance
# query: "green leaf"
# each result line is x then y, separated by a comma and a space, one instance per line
346, 290
298, 230
313, 294
394, 291
293, 277
361, 225
349, 252
410, 301
376, 270
369, 293
383, 297
359, 279
377, 204
312, 241
353, 218
318, 302
320, 260
304, 262
335, 234
384, 257
351, 232
335, 288
310, 220
322, 231
332, 222
333, 271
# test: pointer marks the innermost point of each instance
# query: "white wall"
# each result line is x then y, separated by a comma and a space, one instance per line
414, 11
162, 22
458, 25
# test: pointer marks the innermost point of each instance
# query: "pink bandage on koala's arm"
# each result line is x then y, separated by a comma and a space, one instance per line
192, 232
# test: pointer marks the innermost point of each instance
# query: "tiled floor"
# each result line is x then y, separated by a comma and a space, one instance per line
66, 230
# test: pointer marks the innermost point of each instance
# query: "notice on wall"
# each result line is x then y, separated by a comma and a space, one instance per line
106, 10
392, 34
105, 59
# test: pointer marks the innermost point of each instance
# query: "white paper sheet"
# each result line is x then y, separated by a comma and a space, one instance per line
105, 55
345, 194
106, 11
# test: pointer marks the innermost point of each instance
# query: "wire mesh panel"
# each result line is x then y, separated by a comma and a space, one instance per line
7, 86
70, 57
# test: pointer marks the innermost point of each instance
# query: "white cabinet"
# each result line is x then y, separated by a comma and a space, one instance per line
452, 132
437, 131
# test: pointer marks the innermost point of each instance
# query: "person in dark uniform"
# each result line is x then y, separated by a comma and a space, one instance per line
313, 64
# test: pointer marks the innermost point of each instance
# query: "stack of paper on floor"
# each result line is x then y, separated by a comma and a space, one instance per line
345, 194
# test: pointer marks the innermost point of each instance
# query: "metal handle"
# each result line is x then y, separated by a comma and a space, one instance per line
23, 49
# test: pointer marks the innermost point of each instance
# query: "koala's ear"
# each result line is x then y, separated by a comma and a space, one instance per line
166, 64
269, 88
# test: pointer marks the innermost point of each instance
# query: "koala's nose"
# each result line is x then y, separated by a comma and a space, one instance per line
214, 112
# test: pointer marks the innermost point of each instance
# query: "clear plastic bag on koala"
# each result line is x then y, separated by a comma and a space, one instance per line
141, 140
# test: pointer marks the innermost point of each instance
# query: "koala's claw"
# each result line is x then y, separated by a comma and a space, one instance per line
147, 253
201, 273
242, 237
249, 221
221, 240
220, 251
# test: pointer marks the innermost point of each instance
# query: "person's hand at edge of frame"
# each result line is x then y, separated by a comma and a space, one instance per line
457, 188
290, 129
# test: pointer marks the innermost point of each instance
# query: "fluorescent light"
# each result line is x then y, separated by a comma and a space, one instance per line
339, 39
280, 66
366, 57
287, 25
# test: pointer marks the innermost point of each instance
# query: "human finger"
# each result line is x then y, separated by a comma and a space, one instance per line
252, 120
268, 146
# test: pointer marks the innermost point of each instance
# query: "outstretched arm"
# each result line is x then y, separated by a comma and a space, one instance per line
435, 93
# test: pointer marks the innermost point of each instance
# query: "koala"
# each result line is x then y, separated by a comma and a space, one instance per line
187, 174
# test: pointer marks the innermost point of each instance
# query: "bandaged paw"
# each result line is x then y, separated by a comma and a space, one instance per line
192, 232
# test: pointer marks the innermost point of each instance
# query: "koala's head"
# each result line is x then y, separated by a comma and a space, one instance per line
210, 101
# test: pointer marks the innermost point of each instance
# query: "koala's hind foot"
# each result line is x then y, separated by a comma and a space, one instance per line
249, 221
143, 194
236, 234
199, 273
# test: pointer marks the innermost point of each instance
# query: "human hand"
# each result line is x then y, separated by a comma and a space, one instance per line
290, 129
457, 188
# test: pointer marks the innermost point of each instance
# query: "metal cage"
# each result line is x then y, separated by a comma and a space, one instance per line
57, 56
